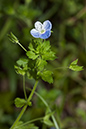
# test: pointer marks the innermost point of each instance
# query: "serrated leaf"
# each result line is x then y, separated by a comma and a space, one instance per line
49, 55
40, 64
22, 62
31, 55
73, 66
20, 102
46, 45
31, 47
47, 76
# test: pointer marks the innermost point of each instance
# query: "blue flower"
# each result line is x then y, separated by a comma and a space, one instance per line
42, 31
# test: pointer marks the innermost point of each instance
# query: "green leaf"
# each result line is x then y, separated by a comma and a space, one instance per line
46, 45
47, 120
18, 124
75, 62
73, 66
31, 55
49, 55
20, 102
40, 64
22, 62
21, 125
19, 70
29, 75
31, 47
22, 66
47, 76
29, 103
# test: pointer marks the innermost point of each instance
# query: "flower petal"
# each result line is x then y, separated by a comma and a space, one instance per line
34, 33
38, 26
47, 25
45, 35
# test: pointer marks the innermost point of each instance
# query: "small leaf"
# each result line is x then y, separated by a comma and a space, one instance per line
18, 124
29, 75
21, 125
73, 66
75, 62
19, 70
29, 103
46, 45
22, 62
49, 55
31, 55
40, 64
76, 68
48, 122
46, 119
31, 47
20, 102
47, 76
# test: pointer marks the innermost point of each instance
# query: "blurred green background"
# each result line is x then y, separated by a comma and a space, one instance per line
67, 95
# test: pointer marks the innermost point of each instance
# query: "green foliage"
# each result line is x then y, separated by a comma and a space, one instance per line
49, 55
34, 66
22, 62
22, 66
73, 66
41, 49
19, 70
68, 41
21, 125
31, 55
46, 118
13, 38
20, 102
41, 64
46, 75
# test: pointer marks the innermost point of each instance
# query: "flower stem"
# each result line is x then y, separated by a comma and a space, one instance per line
33, 90
19, 117
22, 47
24, 87
24, 108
